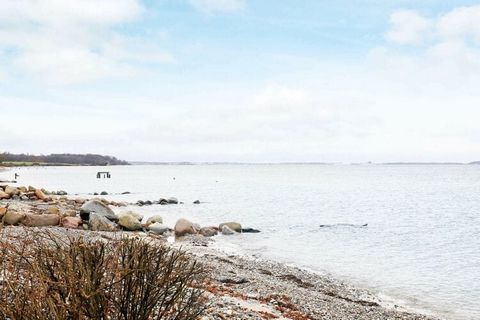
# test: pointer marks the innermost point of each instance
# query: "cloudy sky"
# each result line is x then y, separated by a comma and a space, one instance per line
242, 80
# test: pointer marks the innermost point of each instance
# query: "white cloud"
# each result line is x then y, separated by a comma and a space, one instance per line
461, 22
408, 27
72, 41
212, 6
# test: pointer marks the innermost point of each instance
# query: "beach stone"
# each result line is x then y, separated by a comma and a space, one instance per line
227, 231
22, 189
154, 219
71, 222
41, 220
103, 193
31, 189
184, 227
138, 216
129, 222
11, 190
3, 210
53, 210
235, 226
40, 194
172, 200
208, 231
99, 208
100, 223
4, 195
196, 202
163, 201
158, 228
13, 217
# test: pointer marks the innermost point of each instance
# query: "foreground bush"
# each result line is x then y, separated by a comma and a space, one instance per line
48, 278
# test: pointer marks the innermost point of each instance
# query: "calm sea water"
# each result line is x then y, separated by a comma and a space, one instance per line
421, 246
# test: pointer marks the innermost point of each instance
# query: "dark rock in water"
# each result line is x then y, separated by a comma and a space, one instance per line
172, 200
343, 225
163, 201
147, 203
99, 208
103, 193
250, 230
126, 192
95, 193
196, 202
62, 193
140, 203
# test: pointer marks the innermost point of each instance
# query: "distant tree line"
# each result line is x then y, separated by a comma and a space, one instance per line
64, 158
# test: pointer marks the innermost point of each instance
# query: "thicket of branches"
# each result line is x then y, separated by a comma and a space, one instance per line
66, 158
129, 279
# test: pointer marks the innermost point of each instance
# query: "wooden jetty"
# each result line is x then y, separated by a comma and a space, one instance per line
103, 174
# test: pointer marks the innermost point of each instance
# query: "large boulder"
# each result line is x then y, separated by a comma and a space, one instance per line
11, 190
137, 215
100, 223
158, 228
129, 222
208, 231
99, 208
71, 222
184, 227
13, 217
235, 226
154, 219
4, 195
41, 220
40, 195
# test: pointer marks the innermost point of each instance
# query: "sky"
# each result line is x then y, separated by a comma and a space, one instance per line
242, 80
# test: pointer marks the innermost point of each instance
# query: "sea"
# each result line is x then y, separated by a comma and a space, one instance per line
420, 249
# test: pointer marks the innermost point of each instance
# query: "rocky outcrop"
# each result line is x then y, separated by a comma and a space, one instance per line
41, 220
99, 208
235, 226
184, 227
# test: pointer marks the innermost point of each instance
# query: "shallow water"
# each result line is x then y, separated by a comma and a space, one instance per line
421, 245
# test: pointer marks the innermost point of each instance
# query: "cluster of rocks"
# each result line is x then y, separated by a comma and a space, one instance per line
41, 208
161, 201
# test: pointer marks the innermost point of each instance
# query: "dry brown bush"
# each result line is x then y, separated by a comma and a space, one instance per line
47, 277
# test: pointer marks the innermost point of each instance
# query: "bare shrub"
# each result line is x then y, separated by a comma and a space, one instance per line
47, 277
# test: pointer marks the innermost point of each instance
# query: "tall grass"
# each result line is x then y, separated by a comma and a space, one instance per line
48, 277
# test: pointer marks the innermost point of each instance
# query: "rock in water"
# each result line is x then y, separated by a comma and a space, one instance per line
208, 231
158, 228
153, 219
129, 222
250, 230
99, 208
227, 231
100, 223
172, 200
196, 202
235, 226
71, 222
184, 227
41, 220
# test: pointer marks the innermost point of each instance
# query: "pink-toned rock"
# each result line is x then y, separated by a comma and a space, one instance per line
41, 220
2, 212
71, 222
4, 195
184, 227
39, 194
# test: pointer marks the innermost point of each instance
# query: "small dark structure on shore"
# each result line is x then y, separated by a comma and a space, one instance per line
103, 174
